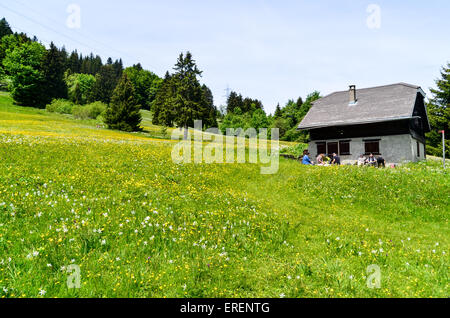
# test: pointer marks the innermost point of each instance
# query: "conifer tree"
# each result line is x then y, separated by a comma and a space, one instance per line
209, 115
118, 68
105, 82
123, 113
234, 101
53, 67
163, 111
74, 63
278, 112
439, 113
5, 29
187, 102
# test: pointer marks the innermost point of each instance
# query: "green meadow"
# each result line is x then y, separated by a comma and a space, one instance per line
139, 225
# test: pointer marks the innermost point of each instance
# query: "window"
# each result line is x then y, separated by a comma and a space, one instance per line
418, 149
321, 147
333, 147
344, 148
372, 146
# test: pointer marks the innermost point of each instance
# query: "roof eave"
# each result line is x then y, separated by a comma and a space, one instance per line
354, 123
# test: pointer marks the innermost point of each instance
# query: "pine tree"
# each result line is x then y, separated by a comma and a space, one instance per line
163, 110
187, 102
299, 102
105, 83
442, 92
53, 67
234, 101
118, 68
73, 63
96, 64
439, 113
209, 112
5, 29
85, 65
123, 113
278, 112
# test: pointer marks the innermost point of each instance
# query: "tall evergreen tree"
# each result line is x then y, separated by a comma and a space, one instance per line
209, 115
123, 113
299, 103
53, 67
234, 101
85, 65
188, 100
5, 29
118, 68
439, 113
163, 112
96, 65
278, 112
105, 83
74, 63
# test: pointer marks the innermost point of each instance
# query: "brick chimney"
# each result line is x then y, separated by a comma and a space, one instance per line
352, 94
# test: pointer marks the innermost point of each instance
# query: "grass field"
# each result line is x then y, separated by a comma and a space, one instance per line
139, 225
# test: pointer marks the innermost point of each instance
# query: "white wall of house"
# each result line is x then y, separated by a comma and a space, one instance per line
394, 149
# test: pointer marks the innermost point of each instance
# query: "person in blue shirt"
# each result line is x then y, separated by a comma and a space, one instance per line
306, 160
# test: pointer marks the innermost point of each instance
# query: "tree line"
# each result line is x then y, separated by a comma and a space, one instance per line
35, 76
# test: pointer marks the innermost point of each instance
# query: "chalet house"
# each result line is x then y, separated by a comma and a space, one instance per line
390, 121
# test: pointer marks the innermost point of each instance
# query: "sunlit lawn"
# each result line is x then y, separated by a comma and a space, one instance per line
139, 225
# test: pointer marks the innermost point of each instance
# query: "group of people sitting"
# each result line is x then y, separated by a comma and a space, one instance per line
371, 161
323, 160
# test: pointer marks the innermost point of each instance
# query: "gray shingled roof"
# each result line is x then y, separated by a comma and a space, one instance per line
376, 104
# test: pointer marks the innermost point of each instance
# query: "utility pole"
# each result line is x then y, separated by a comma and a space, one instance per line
227, 92
443, 145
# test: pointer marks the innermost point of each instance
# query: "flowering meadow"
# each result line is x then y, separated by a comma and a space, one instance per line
138, 225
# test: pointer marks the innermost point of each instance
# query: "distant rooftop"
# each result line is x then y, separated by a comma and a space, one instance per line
375, 104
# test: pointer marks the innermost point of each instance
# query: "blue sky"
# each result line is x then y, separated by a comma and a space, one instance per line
270, 50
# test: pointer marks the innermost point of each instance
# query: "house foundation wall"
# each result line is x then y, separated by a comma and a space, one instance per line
395, 149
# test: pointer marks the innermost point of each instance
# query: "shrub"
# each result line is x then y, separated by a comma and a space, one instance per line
61, 106
296, 150
92, 110
437, 151
5, 84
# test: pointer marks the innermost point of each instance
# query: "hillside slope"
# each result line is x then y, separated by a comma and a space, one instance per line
139, 225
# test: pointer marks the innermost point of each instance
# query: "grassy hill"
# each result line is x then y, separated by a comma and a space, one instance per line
139, 225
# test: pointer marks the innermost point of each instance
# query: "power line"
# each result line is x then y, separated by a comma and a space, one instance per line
82, 34
55, 31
